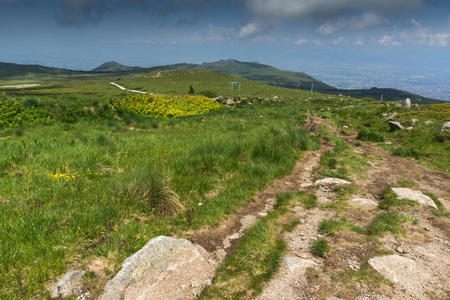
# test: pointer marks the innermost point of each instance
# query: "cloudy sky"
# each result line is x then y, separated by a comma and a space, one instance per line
289, 34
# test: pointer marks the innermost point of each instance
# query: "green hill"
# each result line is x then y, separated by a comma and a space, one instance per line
12, 70
113, 67
264, 73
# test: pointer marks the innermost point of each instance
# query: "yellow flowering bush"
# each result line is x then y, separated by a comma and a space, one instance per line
166, 106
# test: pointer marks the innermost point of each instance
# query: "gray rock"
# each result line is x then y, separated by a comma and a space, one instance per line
219, 99
418, 196
446, 127
230, 102
428, 122
331, 181
395, 125
410, 128
416, 106
363, 203
414, 121
398, 105
295, 265
66, 286
159, 269
407, 103
401, 270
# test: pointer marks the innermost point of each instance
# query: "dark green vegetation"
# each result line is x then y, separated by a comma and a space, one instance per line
82, 180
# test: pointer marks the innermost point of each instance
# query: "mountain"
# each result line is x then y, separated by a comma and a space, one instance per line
11, 70
113, 67
267, 74
249, 70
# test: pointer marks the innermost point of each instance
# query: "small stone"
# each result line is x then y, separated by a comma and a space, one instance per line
65, 287
262, 214
392, 116
428, 122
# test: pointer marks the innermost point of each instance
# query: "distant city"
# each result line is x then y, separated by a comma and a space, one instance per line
427, 84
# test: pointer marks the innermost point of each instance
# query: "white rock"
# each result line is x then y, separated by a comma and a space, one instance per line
331, 181
418, 196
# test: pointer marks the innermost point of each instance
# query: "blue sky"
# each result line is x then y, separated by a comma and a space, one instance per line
293, 35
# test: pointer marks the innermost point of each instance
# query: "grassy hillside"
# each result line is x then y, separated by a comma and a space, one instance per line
84, 181
264, 73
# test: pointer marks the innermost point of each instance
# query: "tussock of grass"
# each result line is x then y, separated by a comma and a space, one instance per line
331, 227
369, 135
390, 222
320, 247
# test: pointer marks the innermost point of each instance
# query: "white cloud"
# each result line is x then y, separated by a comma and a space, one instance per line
367, 19
340, 41
312, 9
249, 30
302, 42
419, 34
388, 41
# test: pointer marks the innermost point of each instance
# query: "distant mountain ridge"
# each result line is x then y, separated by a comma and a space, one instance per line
249, 70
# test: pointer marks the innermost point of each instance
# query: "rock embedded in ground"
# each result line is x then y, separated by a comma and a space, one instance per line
331, 181
446, 127
363, 203
66, 286
418, 196
395, 125
159, 269
403, 271
230, 102
428, 122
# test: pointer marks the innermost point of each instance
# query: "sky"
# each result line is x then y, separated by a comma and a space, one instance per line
411, 36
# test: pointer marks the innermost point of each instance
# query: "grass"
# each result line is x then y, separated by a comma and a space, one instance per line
80, 180
116, 189
340, 162
302, 198
390, 222
391, 200
331, 227
320, 247
257, 257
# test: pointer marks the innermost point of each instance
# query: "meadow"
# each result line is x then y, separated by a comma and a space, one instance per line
84, 175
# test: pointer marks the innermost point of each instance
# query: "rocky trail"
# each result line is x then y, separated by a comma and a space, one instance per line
415, 265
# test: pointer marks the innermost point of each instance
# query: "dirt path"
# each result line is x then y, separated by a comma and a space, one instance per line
417, 264
125, 89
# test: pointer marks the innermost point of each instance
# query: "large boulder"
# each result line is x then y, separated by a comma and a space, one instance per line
446, 127
66, 286
165, 268
395, 125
